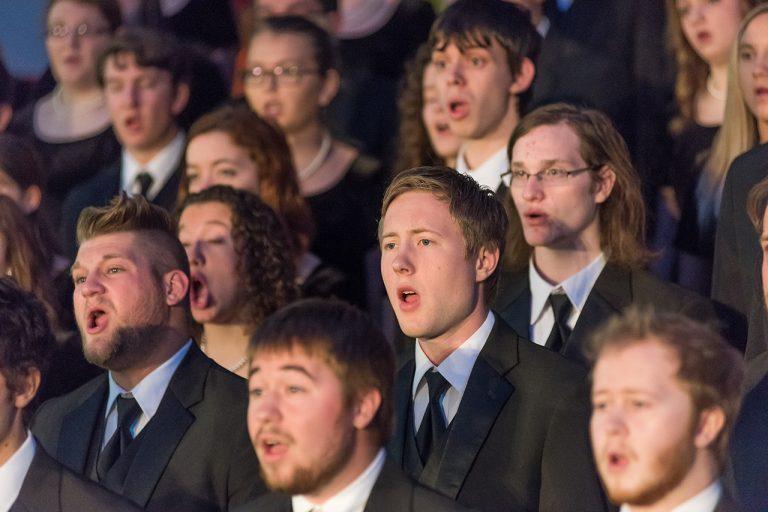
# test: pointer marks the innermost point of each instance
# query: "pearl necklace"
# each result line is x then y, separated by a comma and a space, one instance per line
319, 160
234, 369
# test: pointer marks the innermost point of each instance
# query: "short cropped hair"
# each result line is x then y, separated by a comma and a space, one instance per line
475, 209
150, 48
321, 41
349, 342
26, 338
756, 203
471, 23
622, 215
265, 260
710, 369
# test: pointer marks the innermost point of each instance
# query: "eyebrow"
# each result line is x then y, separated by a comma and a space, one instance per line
290, 368
76, 265
545, 163
415, 231
209, 222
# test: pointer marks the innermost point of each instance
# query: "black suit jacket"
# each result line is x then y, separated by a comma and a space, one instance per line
195, 453
98, 191
735, 274
50, 487
392, 492
519, 440
615, 289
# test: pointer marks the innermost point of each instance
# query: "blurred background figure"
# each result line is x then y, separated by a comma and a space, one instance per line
241, 269
6, 96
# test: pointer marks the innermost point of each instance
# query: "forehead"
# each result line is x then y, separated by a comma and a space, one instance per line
645, 365
270, 46
548, 142
469, 41
124, 65
210, 145
124, 245
73, 11
291, 360
418, 210
200, 214
757, 30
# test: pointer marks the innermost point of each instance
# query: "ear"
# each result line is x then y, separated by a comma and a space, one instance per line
366, 407
30, 383
604, 185
486, 263
711, 423
175, 286
524, 78
180, 98
6, 112
330, 88
30, 200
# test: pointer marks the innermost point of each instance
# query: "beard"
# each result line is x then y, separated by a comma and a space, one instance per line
127, 347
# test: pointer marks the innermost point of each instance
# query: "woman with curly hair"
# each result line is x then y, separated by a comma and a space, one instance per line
240, 265
425, 137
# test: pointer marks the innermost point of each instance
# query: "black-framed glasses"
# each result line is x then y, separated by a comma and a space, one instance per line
551, 176
81, 30
284, 75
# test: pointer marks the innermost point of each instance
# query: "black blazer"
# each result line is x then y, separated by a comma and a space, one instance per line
50, 487
519, 440
195, 453
392, 492
98, 191
735, 274
615, 289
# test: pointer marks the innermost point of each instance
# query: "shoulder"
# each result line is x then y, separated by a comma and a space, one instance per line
54, 409
364, 167
648, 288
749, 162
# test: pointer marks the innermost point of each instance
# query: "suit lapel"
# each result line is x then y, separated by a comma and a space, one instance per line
514, 302
167, 427
78, 428
392, 491
402, 396
486, 393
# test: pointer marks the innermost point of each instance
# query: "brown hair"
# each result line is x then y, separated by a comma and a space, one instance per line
756, 203
622, 215
480, 216
110, 9
264, 265
266, 145
348, 341
711, 370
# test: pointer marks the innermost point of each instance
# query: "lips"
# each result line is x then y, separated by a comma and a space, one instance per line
199, 293
535, 218
458, 109
408, 298
761, 93
272, 110
703, 36
272, 447
132, 123
616, 460
96, 320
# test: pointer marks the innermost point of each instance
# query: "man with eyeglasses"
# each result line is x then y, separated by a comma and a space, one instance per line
577, 248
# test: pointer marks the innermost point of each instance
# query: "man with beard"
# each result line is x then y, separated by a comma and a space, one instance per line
665, 395
320, 411
163, 426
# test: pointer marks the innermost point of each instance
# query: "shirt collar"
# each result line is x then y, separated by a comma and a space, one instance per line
576, 287
149, 392
705, 501
458, 365
14, 472
161, 167
350, 499
489, 172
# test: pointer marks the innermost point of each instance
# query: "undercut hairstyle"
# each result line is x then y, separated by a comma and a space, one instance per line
480, 216
709, 368
756, 203
622, 215
110, 9
26, 339
269, 152
477, 23
346, 339
150, 48
322, 43
265, 264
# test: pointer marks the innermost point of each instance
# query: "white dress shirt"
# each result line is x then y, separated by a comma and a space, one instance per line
487, 174
161, 167
350, 499
455, 369
14, 471
705, 501
148, 394
576, 287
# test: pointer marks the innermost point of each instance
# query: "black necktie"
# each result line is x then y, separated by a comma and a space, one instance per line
141, 184
561, 307
127, 412
433, 425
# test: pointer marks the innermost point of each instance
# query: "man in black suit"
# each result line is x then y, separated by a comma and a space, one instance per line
30, 480
482, 415
576, 231
737, 248
665, 395
145, 80
320, 412
163, 427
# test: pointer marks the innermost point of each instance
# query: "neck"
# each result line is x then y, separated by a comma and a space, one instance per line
15, 437
363, 453
145, 155
537, 13
477, 151
437, 349
167, 345
226, 339
305, 143
556, 265
701, 475
73, 95
719, 77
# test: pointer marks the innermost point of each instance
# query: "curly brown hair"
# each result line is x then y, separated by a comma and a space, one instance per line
265, 264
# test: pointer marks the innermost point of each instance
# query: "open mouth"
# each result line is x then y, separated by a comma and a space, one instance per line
199, 294
408, 298
96, 321
272, 447
132, 122
761, 93
271, 109
703, 36
442, 128
458, 109
535, 217
617, 460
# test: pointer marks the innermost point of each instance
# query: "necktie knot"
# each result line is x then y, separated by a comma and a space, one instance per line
436, 384
141, 184
561, 308
127, 411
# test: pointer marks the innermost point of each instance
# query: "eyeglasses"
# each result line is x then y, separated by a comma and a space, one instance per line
551, 176
83, 30
283, 75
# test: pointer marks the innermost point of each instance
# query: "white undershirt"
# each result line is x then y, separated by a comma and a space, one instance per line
487, 174
161, 167
14, 471
577, 288
705, 501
